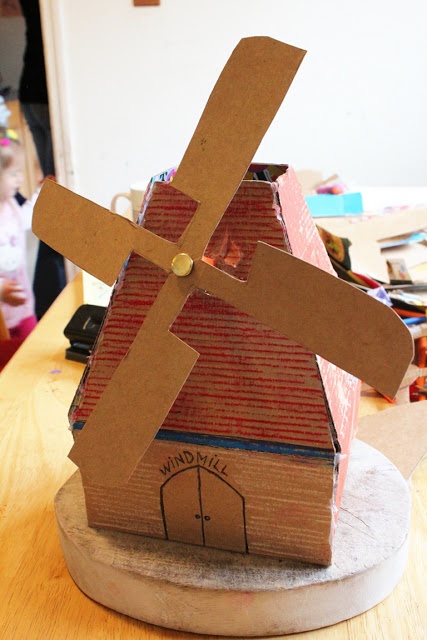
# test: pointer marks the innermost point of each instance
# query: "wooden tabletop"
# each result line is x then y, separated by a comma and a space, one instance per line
39, 600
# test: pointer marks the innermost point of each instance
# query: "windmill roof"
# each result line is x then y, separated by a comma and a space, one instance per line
250, 383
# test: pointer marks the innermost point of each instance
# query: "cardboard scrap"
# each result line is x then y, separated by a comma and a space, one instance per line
400, 433
365, 236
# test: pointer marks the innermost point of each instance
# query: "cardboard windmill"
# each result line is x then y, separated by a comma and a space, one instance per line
220, 403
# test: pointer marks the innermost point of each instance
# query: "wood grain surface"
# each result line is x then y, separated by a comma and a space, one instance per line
39, 600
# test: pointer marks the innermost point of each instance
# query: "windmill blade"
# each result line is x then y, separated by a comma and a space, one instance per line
230, 130
134, 406
92, 237
237, 115
326, 315
139, 395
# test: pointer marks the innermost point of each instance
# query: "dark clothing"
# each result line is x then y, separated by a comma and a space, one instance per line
37, 117
49, 278
20, 199
32, 86
49, 274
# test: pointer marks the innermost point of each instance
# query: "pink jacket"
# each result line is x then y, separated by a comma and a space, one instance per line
14, 221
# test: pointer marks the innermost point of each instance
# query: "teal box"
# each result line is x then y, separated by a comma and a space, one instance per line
325, 205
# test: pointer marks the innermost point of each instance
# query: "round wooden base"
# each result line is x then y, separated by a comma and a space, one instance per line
203, 590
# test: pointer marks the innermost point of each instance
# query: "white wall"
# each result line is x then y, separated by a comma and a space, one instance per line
133, 82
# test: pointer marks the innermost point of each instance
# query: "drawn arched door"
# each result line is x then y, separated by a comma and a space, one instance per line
201, 508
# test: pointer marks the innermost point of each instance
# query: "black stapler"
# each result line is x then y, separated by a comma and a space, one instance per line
82, 331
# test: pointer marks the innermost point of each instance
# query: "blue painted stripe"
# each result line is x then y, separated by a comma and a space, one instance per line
248, 445
280, 448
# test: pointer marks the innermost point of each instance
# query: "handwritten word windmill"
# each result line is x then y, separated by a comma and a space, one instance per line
218, 389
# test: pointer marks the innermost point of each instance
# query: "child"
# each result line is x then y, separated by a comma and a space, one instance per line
16, 296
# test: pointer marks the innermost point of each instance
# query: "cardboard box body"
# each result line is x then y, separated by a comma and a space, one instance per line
252, 456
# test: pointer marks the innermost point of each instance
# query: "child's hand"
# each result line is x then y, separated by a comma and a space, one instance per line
13, 293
